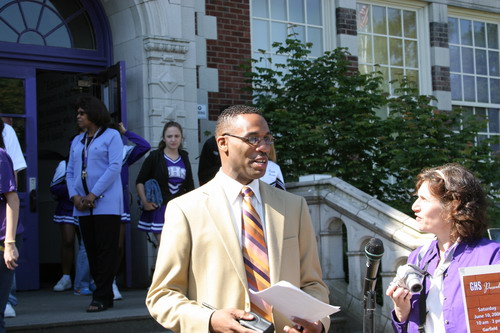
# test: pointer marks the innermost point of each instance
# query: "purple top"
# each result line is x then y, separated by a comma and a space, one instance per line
59, 189
479, 253
7, 184
131, 155
141, 148
176, 173
64, 204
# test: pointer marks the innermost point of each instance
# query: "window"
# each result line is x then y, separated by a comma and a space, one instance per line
388, 42
49, 23
274, 20
475, 71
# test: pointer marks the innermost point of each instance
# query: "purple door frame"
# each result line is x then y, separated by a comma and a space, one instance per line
21, 61
28, 272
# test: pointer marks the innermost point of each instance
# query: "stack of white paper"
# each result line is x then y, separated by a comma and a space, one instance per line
293, 302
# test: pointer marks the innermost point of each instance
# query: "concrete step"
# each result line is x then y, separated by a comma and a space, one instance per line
60, 312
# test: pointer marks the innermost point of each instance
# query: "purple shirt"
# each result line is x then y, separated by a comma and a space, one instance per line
176, 173
480, 253
7, 184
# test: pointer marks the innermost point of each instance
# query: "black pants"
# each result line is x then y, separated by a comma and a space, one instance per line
100, 235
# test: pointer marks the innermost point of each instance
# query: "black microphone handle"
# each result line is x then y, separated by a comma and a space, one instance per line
374, 251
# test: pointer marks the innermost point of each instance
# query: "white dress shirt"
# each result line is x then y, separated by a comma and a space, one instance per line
232, 189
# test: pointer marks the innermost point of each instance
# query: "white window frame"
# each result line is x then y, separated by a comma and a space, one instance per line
424, 56
328, 26
486, 18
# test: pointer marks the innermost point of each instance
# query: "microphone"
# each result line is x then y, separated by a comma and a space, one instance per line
374, 251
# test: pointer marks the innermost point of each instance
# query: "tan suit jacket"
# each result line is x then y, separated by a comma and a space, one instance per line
200, 258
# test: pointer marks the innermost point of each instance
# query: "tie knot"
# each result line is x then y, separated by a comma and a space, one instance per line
246, 191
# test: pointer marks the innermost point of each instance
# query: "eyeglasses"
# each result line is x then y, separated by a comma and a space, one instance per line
81, 113
253, 140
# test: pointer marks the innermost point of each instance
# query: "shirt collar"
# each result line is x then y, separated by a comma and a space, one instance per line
233, 188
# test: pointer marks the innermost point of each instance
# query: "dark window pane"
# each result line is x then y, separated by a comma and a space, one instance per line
482, 90
466, 32
379, 20
7, 34
495, 91
259, 8
493, 63
493, 36
82, 32
363, 18
49, 21
410, 24
455, 59
481, 114
469, 88
31, 37
297, 14
31, 13
456, 87
479, 34
59, 38
494, 120
278, 10
481, 63
467, 60
395, 28
13, 17
453, 30
314, 12
11, 96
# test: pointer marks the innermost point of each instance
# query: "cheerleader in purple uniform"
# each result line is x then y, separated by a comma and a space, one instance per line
69, 226
170, 167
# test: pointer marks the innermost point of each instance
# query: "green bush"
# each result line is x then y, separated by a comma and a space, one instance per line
323, 114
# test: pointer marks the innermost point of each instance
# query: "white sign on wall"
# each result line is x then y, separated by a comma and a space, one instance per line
202, 111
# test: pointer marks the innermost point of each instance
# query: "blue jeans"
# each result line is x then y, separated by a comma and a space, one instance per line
82, 269
6, 277
12, 295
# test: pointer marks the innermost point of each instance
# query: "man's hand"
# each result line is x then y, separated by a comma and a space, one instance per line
304, 326
226, 320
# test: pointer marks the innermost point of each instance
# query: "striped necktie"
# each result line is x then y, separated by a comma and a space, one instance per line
255, 254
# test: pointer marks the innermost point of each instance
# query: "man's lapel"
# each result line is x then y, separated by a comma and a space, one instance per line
274, 212
220, 216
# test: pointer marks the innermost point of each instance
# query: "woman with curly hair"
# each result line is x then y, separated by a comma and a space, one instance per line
451, 205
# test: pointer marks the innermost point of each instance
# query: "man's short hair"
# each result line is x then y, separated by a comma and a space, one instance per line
226, 116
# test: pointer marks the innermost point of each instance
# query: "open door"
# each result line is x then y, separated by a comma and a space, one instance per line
39, 105
110, 86
17, 103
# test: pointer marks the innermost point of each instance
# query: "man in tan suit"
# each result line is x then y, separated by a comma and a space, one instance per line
200, 257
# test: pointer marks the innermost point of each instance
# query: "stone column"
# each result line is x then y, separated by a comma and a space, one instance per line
440, 55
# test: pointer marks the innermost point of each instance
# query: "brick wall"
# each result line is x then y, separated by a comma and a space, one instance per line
346, 21
228, 52
438, 34
441, 78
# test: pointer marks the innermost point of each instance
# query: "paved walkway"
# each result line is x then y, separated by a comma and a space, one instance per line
45, 308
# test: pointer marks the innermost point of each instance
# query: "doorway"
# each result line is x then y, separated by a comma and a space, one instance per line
56, 123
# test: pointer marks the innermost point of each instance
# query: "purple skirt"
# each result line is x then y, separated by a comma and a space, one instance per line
152, 220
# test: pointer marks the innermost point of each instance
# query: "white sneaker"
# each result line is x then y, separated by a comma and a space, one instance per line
116, 292
9, 311
63, 284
